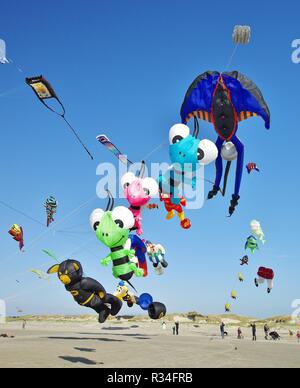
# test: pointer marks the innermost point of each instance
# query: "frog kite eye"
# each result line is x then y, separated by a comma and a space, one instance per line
150, 187
123, 217
127, 180
207, 152
178, 132
96, 218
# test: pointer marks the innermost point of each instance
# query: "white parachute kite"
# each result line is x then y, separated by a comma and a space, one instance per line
241, 35
3, 59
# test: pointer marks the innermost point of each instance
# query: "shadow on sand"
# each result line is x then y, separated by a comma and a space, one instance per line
80, 360
84, 339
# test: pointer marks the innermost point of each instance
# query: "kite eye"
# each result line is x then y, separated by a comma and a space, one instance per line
123, 217
96, 218
150, 187
127, 179
207, 152
178, 132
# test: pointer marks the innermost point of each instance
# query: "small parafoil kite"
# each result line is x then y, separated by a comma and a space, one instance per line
104, 140
227, 307
257, 231
44, 92
244, 261
234, 295
265, 274
40, 274
16, 232
252, 167
241, 35
50, 254
51, 208
3, 59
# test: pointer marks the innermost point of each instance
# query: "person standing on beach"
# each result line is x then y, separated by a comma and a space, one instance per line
222, 329
174, 330
177, 328
266, 330
240, 334
254, 338
298, 337
24, 325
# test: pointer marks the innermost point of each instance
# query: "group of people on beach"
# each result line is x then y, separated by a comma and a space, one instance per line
273, 335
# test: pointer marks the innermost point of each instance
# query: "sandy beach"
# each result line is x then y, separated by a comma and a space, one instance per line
140, 344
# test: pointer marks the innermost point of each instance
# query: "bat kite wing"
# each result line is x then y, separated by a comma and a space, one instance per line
246, 97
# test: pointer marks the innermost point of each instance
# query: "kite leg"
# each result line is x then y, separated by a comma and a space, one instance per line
219, 170
239, 173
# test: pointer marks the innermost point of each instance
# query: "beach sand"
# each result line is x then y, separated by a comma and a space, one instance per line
140, 344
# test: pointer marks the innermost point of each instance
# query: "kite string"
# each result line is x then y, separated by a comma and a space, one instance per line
21, 213
231, 57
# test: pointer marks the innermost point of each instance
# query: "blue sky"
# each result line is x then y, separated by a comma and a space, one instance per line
122, 68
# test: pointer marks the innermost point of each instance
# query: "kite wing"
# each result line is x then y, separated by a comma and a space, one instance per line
140, 250
246, 97
112, 148
199, 97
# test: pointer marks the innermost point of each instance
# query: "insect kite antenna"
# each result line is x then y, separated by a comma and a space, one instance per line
111, 201
142, 170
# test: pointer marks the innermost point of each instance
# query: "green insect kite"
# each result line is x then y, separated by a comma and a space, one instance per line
251, 244
112, 228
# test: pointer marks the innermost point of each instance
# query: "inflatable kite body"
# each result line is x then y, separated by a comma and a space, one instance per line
138, 192
252, 167
16, 232
265, 274
225, 99
112, 228
156, 254
187, 154
251, 244
140, 252
155, 310
257, 231
86, 292
51, 208
244, 261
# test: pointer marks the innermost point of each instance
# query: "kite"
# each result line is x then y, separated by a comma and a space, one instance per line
225, 99
227, 307
155, 310
241, 277
252, 167
3, 59
265, 274
138, 191
156, 254
50, 254
251, 244
16, 232
257, 231
112, 148
51, 208
244, 261
86, 292
40, 274
45, 92
152, 206
112, 228
234, 295
241, 35
185, 150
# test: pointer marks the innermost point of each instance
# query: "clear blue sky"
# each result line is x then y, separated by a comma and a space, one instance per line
122, 68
